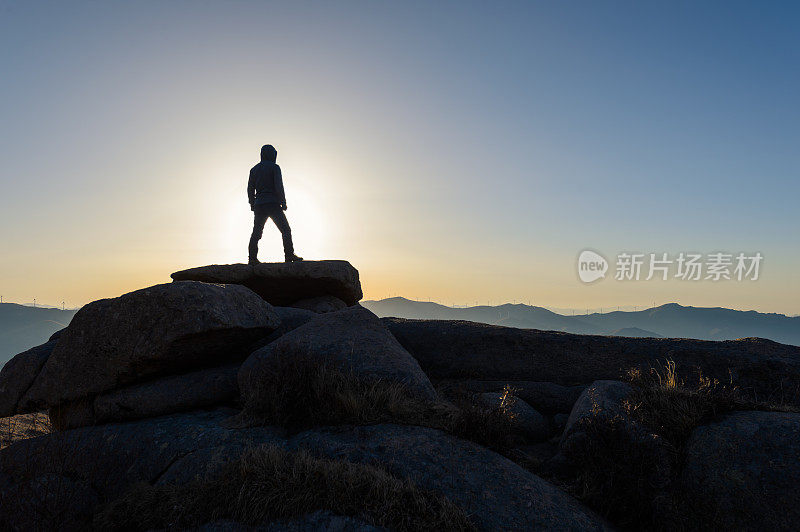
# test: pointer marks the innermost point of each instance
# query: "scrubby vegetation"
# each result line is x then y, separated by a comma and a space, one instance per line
305, 392
628, 470
673, 408
270, 483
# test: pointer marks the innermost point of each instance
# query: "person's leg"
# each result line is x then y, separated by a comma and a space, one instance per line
259, 219
279, 217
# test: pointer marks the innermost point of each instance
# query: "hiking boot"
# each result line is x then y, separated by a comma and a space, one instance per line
293, 258
252, 261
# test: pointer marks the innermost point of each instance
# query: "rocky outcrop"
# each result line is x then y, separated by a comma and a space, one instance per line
353, 338
467, 350
283, 283
167, 395
321, 304
495, 492
742, 471
100, 464
18, 375
208, 387
161, 330
111, 458
523, 417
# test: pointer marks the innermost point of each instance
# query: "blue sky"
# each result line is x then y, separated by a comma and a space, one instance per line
454, 151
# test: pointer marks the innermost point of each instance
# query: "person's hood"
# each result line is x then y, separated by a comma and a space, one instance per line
269, 153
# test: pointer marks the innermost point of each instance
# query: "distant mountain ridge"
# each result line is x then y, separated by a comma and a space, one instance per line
23, 327
671, 320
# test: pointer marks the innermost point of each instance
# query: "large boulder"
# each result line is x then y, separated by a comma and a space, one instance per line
161, 330
18, 375
353, 338
468, 350
495, 492
741, 473
283, 283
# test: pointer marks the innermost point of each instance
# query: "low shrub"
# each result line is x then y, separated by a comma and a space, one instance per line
270, 483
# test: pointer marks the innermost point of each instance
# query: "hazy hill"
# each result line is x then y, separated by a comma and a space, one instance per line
670, 320
24, 327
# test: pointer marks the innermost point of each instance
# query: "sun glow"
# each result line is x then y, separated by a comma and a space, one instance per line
234, 225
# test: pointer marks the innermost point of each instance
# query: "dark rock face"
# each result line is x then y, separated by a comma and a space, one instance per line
47, 502
495, 492
167, 395
18, 375
546, 397
159, 330
742, 472
353, 337
282, 283
523, 417
292, 318
321, 304
112, 458
101, 463
213, 386
467, 350
320, 521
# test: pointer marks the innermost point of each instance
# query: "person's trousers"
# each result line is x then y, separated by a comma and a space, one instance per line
262, 213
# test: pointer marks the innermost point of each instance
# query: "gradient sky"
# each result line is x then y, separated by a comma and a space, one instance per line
451, 151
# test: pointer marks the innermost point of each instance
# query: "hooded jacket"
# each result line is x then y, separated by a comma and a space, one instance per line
265, 185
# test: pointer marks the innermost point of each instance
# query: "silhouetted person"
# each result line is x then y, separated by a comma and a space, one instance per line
268, 200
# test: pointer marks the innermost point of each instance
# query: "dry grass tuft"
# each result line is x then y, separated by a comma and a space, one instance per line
269, 483
672, 408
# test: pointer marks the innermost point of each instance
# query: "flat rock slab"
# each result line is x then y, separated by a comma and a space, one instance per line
160, 330
496, 493
467, 350
741, 472
284, 283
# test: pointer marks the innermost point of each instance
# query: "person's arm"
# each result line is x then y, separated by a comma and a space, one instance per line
279, 193
251, 190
